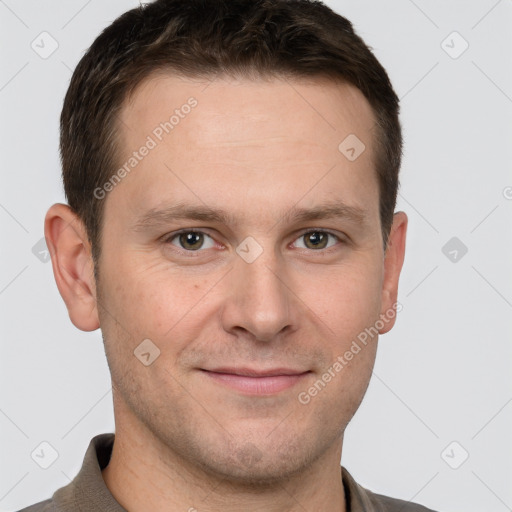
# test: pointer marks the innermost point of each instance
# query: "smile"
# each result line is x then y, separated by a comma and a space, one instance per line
252, 382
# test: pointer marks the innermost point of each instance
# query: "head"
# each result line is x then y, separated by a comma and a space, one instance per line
230, 119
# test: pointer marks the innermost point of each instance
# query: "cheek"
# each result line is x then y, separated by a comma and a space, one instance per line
152, 299
347, 298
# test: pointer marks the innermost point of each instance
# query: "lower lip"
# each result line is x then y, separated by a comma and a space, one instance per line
257, 385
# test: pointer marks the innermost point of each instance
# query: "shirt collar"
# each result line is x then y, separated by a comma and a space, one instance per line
88, 491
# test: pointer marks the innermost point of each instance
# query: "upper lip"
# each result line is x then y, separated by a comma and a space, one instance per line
251, 372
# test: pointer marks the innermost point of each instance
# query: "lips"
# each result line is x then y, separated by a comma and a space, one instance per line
254, 381
249, 372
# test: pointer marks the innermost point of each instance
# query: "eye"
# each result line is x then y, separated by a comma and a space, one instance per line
317, 239
191, 240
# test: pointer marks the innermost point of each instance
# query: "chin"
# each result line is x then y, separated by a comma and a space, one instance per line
259, 463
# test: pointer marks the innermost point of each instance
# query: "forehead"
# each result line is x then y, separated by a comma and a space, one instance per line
275, 138
250, 103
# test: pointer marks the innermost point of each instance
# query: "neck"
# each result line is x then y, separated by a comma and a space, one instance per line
143, 474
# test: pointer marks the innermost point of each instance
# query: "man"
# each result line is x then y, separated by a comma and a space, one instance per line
231, 170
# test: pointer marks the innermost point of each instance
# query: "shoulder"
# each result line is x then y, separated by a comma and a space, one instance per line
361, 499
42, 506
386, 504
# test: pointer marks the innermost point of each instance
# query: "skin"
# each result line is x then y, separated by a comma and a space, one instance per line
256, 149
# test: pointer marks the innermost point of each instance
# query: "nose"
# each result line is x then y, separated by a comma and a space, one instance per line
259, 301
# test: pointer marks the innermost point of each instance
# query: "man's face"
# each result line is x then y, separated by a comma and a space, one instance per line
262, 290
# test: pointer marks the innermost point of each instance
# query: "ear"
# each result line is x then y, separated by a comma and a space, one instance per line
393, 261
72, 263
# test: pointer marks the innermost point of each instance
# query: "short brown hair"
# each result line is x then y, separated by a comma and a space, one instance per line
205, 38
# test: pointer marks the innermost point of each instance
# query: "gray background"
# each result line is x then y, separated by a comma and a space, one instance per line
442, 374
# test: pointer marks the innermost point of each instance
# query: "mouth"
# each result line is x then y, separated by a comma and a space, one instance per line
256, 382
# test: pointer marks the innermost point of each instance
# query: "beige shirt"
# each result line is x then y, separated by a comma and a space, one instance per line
88, 492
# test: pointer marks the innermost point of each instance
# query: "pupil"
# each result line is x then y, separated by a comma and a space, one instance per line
316, 238
188, 239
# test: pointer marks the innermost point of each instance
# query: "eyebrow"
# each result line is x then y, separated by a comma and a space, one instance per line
181, 211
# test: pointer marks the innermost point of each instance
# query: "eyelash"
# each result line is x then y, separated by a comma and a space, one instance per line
169, 238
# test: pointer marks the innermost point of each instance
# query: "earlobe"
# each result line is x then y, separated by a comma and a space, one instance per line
393, 262
72, 264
